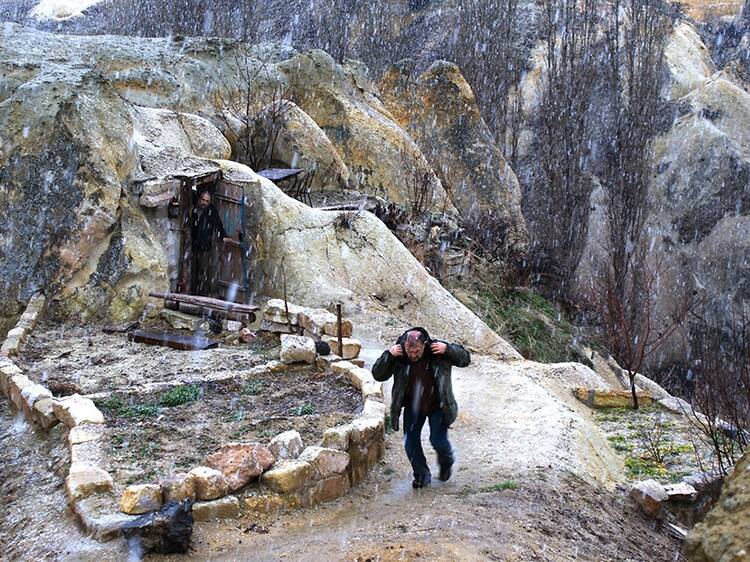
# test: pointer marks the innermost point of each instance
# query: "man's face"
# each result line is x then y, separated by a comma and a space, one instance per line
414, 350
204, 200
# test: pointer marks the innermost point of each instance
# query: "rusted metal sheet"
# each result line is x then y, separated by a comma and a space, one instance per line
176, 341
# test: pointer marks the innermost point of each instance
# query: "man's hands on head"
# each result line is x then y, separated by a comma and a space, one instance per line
439, 347
396, 350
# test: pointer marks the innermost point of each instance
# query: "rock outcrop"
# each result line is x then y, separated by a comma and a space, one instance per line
438, 108
91, 124
725, 532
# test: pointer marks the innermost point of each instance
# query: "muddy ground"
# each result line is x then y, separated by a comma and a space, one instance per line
71, 358
147, 439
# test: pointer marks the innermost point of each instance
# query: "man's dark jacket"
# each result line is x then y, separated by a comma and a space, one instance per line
439, 366
206, 225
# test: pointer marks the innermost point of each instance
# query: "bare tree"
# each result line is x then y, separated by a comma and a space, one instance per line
568, 29
634, 37
719, 388
628, 318
489, 47
252, 116
420, 182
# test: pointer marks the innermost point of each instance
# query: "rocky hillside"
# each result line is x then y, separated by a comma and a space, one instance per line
86, 118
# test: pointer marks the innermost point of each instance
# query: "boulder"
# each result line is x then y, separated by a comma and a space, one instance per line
301, 143
84, 480
178, 487
324, 362
360, 377
247, 336
286, 445
650, 497
140, 498
44, 413
337, 437
297, 349
330, 488
181, 321
277, 327
12, 342
75, 410
687, 61
372, 390
240, 463
680, 492
326, 462
331, 328
288, 476
363, 132
166, 531
158, 192
84, 433
224, 508
724, 534
314, 320
439, 109
210, 484
275, 311
351, 346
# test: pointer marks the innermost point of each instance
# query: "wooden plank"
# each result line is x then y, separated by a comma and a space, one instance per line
247, 318
207, 302
278, 174
176, 341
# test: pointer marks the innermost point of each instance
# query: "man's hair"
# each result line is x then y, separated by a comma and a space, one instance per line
205, 192
415, 337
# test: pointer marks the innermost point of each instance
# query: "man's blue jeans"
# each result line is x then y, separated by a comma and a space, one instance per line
413, 424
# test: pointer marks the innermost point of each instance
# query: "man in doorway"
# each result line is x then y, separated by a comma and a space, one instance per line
206, 226
421, 371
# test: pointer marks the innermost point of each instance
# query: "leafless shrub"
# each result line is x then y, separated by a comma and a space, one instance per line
252, 116
720, 381
420, 182
628, 320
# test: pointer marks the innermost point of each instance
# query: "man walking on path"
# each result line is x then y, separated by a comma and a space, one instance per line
205, 225
421, 371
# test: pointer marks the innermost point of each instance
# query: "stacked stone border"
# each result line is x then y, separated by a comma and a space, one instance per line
293, 477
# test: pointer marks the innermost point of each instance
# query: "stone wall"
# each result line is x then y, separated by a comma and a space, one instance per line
285, 474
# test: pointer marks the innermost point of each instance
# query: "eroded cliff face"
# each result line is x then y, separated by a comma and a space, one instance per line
84, 119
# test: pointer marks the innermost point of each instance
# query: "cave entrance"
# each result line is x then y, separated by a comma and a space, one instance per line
228, 272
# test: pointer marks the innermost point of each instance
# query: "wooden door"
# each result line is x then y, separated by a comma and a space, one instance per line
231, 281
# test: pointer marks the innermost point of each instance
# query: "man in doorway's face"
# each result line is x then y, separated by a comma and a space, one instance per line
204, 200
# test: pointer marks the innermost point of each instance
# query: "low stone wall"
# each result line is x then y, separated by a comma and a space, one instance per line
288, 475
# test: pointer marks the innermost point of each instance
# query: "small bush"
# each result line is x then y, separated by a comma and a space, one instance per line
180, 395
253, 387
305, 410
500, 486
116, 406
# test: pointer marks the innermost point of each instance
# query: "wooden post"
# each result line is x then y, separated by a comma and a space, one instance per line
338, 321
286, 306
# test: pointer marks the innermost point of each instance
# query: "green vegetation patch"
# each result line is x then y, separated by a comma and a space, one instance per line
180, 395
304, 410
118, 407
500, 486
252, 388
527, 320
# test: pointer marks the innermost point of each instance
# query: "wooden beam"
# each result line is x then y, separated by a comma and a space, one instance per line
246, 317
176, 341
207, 302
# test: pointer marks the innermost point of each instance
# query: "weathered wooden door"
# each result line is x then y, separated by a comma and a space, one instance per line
231, 281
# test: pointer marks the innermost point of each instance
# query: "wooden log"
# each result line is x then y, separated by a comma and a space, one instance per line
176, 341
120, 328
246, 317
207, 302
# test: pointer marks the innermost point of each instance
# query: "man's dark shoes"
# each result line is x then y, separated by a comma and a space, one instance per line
446, 470
420, 483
